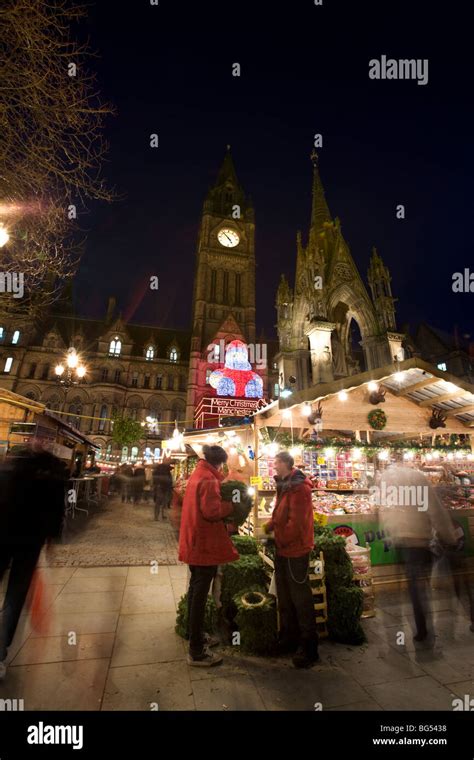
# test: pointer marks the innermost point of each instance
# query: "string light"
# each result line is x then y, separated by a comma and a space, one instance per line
306, 410
342, 395
372, 386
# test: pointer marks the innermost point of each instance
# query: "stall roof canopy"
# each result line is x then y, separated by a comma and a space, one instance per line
72, 431
423, 385
9, 397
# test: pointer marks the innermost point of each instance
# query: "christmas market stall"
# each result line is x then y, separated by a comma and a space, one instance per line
343, 433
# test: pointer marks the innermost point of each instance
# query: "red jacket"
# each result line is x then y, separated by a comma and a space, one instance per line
203, 538
292, 518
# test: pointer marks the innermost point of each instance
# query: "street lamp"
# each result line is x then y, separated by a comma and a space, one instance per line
69, 373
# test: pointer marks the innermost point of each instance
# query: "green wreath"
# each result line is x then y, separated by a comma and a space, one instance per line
377, 419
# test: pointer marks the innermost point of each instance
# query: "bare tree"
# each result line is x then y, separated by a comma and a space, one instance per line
52, 146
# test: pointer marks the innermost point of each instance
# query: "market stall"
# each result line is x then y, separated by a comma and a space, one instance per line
343, 434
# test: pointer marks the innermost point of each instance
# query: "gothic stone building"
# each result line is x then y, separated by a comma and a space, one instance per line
328, 327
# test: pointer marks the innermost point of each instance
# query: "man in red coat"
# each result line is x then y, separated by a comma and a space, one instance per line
204, 544
293, 527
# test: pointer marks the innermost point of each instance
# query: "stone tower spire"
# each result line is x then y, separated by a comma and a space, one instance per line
319, 207
380, 285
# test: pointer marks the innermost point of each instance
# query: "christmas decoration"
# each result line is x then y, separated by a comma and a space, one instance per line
245, 544
377, 419
236, 492
256, 620
437, 419
237, 377
239, 576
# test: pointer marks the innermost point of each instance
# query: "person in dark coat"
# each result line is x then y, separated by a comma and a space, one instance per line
125, 477
204, 544
138, 484
162, 488
292, 523
32, 507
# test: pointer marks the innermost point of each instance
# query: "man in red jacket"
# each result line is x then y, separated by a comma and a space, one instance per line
293, 528
204, 544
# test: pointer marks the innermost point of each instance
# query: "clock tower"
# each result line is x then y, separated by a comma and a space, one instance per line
224, 283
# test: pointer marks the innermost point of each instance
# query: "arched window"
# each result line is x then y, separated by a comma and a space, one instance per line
177, 413
155, 415
16, 337
124, 453
108, 452
174, 355
75, 409
150, 354
133, 412
102, 415
134, 453
115, 346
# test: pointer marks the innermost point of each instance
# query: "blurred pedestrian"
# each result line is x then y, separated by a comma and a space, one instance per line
410, 513
163, 488
32, 506
125, 477
138, 483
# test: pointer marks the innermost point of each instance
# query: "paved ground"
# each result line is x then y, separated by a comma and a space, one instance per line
116, 534
127, 656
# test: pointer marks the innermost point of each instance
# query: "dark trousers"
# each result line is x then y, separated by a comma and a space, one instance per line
199, 585
295, 603
418, 563
24, 561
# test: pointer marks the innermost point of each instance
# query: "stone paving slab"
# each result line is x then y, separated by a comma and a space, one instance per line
138, 687
91, 646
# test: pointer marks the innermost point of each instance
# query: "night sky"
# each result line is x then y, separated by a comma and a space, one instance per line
168, 69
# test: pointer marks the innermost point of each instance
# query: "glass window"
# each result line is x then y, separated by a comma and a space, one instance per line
442, 366
117, 376
45, 373
32, 370
8, 364
150, 353
182, 383
159, 382
104, 375
157, 453
134, 453
135, 380
146, 381
16, 337
102, 415
170, 382
115, 346
1, 333
276, 390
124, 453
108, 452
173, 355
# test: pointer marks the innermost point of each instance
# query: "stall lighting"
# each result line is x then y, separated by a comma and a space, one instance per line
251, 491
285, 393
272, 449
356, 453
383, 455
398, 376
295, 451
342, 396
458, 455
408, 455
59, 369
329, 452
373, 386
470, 457
4, 236
233, 450
450, 455
429, 457
81, 371
451, 388
286, 414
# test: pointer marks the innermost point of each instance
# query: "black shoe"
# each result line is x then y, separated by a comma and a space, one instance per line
305, 658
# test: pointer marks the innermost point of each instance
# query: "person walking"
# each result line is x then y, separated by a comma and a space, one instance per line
138, 483
32, 507
163, 488
293, 527
411, 513
125, 476
204, 544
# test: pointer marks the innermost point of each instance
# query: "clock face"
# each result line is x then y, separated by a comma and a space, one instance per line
227, 237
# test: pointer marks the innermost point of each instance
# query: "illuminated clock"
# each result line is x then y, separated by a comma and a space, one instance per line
227, 237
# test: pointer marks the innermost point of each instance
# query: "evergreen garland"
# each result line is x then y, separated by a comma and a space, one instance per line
344, 598
256, 619
210, 616
245, 544
377, 419
239, 576
229, 490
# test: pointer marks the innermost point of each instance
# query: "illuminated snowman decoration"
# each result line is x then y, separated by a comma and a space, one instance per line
237, 377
